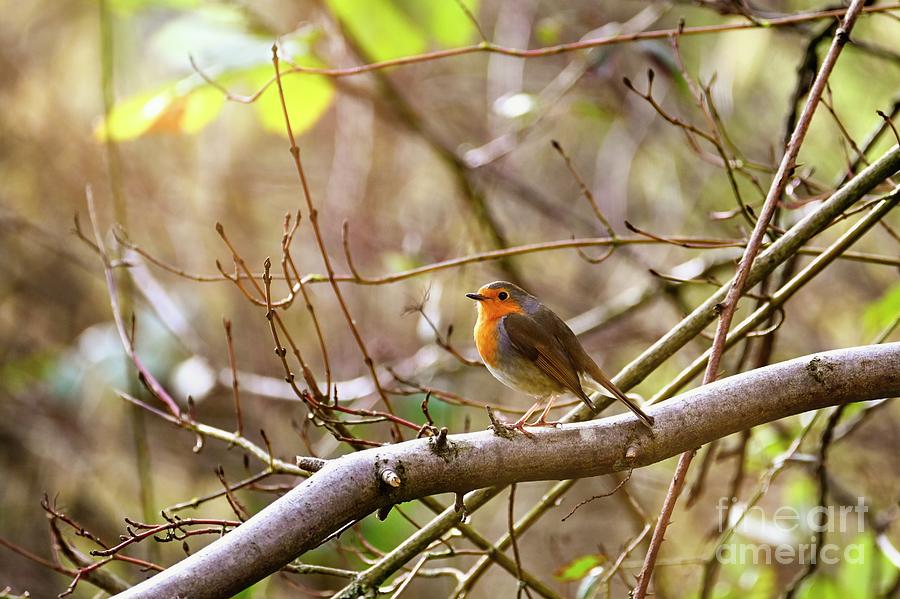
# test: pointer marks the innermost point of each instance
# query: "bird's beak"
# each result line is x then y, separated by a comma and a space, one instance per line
476, 296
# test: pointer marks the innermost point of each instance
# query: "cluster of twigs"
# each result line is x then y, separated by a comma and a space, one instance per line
343, 418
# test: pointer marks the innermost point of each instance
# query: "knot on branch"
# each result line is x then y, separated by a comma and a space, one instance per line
310, 464
841, 36
443, 447
820, 370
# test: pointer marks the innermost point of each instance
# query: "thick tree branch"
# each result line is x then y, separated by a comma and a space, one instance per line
352, 486
664, 348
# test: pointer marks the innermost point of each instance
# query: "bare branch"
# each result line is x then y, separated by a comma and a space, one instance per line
728, 307
300, 520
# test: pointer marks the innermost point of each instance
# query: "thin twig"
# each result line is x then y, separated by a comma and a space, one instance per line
822, 524
510, 523
326, 260
144, 375
602, 495
235, 385
462, 6
485, 47
197, 501
216, 433
729, 306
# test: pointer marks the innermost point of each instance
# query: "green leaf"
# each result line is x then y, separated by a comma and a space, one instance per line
382, 30
201, 107
865, 571
444, 20
882, 312
307, 97
133, 117
820, 587
216, 38
579, 567
183, 107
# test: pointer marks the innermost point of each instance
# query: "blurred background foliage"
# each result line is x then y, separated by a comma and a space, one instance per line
426, 162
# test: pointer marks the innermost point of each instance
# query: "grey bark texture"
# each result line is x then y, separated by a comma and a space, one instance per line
353, 486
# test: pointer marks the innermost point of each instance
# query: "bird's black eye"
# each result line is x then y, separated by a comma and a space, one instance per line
502, 296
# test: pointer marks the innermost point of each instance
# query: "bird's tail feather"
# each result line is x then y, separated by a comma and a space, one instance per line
597, 375
587, 400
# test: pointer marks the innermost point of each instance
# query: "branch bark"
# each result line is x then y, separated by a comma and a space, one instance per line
352, 486
786, 246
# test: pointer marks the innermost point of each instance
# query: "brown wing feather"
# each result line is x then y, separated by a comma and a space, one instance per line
584, 363
545, 351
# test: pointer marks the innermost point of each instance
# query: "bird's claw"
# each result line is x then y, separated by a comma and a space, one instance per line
503, 428
519, 425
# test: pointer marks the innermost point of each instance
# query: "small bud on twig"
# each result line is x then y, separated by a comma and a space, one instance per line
390, 477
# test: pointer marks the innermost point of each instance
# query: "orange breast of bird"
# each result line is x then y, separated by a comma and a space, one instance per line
487, 329
487, 338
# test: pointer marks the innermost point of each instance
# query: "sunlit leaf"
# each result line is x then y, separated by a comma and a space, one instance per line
201, 108
751, 582
820, 587
134, 116
307, 97
865, 571
217, 40
579, 567
744, 578
444, 20
185, 107
382, 30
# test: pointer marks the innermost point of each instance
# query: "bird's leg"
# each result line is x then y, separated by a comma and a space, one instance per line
542, 421
518, 425
521, 422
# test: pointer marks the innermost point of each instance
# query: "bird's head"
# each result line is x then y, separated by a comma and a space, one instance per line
500, 298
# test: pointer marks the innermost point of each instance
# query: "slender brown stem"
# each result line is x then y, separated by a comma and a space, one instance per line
323, 251
235, 385
489, 47
510, 523
35, 558
728, 307
147, 379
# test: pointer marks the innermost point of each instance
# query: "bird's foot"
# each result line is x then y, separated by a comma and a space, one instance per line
504, 428
518, 425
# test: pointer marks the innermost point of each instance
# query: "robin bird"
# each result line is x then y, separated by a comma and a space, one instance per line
527, 347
